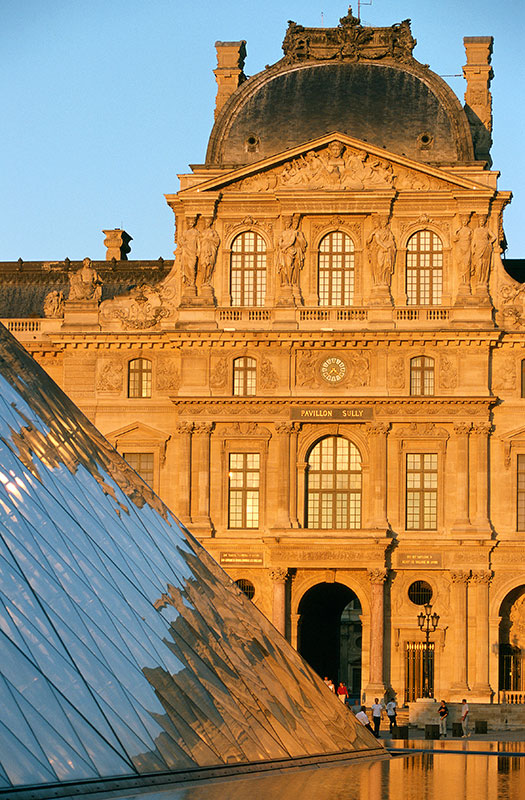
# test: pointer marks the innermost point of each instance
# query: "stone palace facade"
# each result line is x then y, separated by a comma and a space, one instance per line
327, 384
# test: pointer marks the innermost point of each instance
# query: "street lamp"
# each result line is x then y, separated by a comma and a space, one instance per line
427, 622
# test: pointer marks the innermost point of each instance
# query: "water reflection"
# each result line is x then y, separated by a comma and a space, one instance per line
423, 776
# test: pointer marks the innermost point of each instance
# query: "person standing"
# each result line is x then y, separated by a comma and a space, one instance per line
377, 710
443, 714
464, 718
342, 693
391, 713
363, 719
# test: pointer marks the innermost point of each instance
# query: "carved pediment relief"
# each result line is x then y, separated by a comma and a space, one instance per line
142, 308
422, 430
335, 162
138, 434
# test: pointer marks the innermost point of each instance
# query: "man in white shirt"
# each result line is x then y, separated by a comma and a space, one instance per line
391, 713
377, 710
363, 719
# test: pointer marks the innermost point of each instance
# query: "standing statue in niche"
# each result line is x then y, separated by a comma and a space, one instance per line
85, 283
291, 249
482, 247
187, 252
208, 246
382, 252
463, 240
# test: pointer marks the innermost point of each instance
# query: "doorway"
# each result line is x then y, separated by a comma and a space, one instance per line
329, 634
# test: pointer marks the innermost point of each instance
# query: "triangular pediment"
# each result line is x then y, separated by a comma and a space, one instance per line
335, 162
135, 433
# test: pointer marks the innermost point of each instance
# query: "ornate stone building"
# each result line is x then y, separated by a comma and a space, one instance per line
327, 385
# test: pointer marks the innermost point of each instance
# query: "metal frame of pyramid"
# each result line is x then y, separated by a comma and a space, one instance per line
127, 654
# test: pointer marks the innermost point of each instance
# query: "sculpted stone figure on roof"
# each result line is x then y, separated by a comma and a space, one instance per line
85, 283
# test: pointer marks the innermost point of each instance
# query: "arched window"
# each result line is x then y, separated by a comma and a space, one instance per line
139, 378
334, 484
248, 270
424, 269
336, 270
422, 375
244, 376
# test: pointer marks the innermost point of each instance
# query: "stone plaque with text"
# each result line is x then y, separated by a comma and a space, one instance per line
328, 413
420, 560
242, 559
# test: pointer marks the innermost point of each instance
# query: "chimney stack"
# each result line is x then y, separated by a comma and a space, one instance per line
229, 73
117, 244
478, 99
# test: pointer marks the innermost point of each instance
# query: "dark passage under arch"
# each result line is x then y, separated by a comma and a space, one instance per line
329, 633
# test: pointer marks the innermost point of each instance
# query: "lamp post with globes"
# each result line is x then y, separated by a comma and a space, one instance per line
428, 623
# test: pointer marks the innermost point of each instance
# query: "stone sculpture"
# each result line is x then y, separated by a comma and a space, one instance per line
291, 249
85, 283
382, 252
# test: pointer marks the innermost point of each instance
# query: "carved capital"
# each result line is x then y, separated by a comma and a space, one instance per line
377, 575
278, 574
203, 427
184, 426
482, 428
482, 576
284, 427
377, 428
462, 428
460, 576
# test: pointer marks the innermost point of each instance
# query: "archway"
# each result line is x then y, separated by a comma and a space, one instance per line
329, 633
512, 645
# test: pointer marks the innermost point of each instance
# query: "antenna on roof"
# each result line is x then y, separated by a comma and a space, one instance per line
359, 4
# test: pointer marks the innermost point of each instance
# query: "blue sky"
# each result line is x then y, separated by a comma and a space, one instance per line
105, 102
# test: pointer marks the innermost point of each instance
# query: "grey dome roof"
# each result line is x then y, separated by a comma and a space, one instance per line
401, 106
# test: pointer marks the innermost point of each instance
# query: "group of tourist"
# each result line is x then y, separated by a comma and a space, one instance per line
377, 709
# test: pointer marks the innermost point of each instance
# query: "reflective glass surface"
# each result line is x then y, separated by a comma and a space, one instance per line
124, 648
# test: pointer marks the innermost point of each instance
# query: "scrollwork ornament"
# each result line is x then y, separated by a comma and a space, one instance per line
278, 574
377, 575
202, 428
482, 577
460, 576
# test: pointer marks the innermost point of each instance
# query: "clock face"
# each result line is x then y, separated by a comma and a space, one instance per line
333, 369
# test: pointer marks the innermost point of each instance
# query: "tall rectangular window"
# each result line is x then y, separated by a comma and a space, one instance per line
141, 463
244, 376
139, 378
424, 269
521, 492
421, 491
243, 490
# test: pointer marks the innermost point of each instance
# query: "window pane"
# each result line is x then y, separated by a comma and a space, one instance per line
141, 463
422, 376
243, 490
244, 376
421, 491
336, 270
424, 269
334, 485
248, 270
139, 378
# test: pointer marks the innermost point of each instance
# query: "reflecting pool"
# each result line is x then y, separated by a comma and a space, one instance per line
423, 776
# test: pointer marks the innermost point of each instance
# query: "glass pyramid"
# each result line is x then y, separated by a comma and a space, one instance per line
124, 648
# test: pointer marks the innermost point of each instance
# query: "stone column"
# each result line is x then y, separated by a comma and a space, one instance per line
481, 582
376, 686
296, 427
282, 516
183, 467
278, 576
200, 510
462, 521
377, 433
460, 581
480, 433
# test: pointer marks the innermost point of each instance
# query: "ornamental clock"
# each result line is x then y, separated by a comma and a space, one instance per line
333, 369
